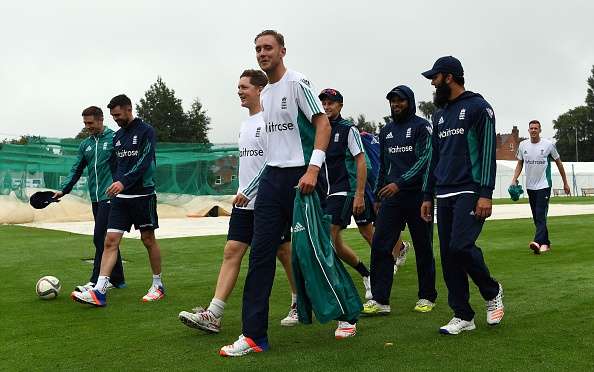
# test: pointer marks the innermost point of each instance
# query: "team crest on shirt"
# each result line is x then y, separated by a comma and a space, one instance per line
542, 151
258, 132
462, 114
389, 135
284, 103
408, 132
441, 121
88, 148
336, 137
135, 140
104, 145
525, 152
118, 143
489, 112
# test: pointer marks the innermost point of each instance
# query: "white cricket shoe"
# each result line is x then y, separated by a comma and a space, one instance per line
495, 308
344, 330
201, 319
84, 287
401, 259
243, 345
457, 325
292, 318
367, 285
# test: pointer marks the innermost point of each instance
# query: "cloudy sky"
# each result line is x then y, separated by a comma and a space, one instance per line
528, 59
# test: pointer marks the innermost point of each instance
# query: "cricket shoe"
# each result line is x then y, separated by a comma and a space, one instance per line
535, 247
495, 308
401, 258
84, 287
424, 306
292, 318
201, 319
367, 285
457, 325
372, 307
155, 293
544, 248
244, 345
345, 330
90, 297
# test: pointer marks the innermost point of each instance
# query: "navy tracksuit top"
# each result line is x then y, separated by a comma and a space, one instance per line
404, 149
134, 147
463, 148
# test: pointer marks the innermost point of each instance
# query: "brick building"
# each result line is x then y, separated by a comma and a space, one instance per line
507, 144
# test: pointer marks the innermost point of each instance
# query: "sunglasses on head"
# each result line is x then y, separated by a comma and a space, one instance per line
331, 92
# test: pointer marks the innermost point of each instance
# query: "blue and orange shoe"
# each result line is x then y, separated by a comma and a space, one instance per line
244, 345
154, 294
90, 297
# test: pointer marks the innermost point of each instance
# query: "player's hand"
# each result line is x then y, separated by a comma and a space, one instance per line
566, 189
58, 195
358, 205
115, 188
388, 191
376, 207
307, 183
240, 200
427, 211
484, 207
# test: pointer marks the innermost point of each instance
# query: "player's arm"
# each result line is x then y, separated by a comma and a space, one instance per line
75, 173
311, 106
381, 175
517, 172
244, 196
356, 149
487, 139
429, 177
555, 155
417, 170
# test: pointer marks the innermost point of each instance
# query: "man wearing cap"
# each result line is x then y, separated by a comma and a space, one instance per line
461, 176
95, 154
404, 154
346, 174
537, 154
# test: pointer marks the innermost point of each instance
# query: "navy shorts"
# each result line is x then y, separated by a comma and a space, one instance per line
368, 215
140, 212
340, 207
241, 227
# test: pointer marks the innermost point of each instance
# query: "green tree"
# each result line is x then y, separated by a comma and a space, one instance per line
575, 128
364, 125
427, 109
197, 124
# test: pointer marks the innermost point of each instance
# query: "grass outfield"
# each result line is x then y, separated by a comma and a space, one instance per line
553, 200
548, 325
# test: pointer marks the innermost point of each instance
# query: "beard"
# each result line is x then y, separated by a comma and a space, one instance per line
399, 116
442, 94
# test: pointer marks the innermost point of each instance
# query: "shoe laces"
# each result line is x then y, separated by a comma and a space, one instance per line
292, 313
497, 302
370, 303
455, 321
342, 324
424, 302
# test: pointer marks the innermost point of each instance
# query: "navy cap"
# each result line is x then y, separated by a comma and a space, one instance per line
396, 92
331, 94
446, 65
42, 199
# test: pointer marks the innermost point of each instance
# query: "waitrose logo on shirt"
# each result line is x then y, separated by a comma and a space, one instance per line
451, 132
279, 127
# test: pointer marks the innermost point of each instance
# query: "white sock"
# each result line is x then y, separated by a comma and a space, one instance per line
293, 299
216, 307
101, 285
157, 280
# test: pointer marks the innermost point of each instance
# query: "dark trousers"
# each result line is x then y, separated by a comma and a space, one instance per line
101, 215
402, 209
539, 204
458, 231
273, 211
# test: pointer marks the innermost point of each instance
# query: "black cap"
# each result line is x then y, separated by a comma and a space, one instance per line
42, 199
446, 65
331, 94
396, 92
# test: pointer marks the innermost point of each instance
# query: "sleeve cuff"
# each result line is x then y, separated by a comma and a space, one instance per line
486, 192
427, 196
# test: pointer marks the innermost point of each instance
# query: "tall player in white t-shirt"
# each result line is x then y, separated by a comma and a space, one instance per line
297, 134
241, 225
536, 153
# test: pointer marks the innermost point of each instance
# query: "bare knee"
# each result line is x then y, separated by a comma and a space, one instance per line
148, 238
234, 251
112, 241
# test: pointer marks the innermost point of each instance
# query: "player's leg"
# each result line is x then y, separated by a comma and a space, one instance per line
466, 229
98, 241
366, 232
540, 218
422, 236
284, 256
387, 230
533, 200
116, 277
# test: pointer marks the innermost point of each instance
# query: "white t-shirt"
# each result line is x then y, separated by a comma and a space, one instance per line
289, 106
251, 152
537, 162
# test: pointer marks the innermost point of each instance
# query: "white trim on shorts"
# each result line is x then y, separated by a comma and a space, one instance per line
116, 231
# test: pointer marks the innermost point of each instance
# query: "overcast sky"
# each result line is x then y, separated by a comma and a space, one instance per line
528, 59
